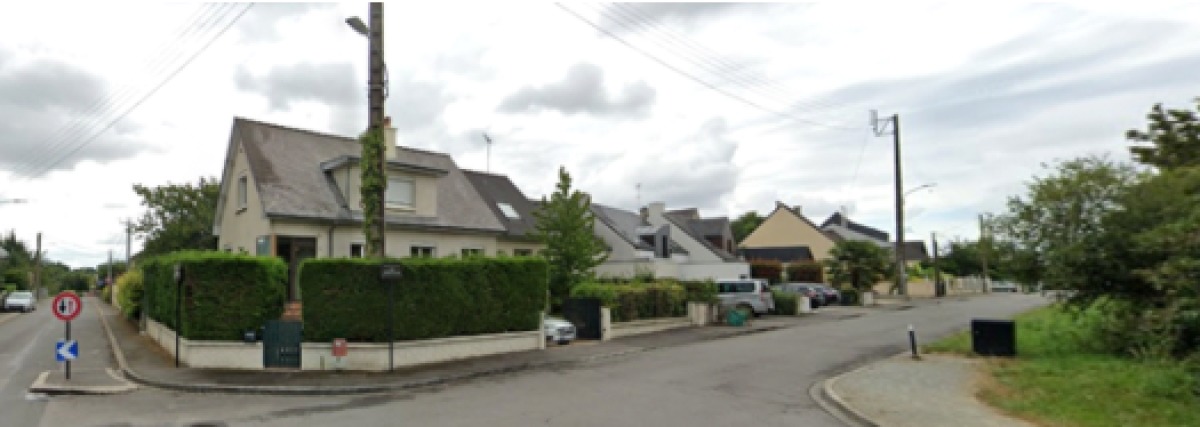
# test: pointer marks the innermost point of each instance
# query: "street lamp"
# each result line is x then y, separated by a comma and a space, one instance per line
920, 187
357, 24
7, 201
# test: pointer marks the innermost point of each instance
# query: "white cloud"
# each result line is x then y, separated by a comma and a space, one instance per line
986, 93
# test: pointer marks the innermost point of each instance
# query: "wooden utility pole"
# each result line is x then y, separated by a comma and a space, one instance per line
128, 242
938, 288
901, 282
37, 266
375, 116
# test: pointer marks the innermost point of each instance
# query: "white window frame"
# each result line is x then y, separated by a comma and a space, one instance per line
432, 251
522, 252
362, 251
243, 191
508, 210
392, 183
463, 252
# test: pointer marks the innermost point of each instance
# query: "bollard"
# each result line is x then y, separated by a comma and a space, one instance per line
912, 342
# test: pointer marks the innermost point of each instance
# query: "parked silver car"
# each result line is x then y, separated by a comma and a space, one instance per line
20, 301
752, 294
558, 330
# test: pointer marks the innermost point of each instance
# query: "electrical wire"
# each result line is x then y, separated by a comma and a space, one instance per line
697, 79
103, 106
143, 99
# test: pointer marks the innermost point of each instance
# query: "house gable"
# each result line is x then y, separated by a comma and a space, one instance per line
238, 224
785, 227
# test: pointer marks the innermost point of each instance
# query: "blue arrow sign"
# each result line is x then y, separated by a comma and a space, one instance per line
66, 350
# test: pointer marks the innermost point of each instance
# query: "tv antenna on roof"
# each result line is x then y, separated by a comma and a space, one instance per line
488, 140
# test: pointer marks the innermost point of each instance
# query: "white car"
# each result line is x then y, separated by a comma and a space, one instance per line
20, 301
558, 330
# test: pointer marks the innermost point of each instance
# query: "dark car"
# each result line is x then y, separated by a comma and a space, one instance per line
832, 296
810, 290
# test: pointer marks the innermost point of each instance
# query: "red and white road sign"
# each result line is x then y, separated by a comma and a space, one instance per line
66, 306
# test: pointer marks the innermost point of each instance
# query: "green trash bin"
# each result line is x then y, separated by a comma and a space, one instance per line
736, 317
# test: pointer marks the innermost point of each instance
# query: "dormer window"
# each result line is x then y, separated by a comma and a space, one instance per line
400, 193
508, 211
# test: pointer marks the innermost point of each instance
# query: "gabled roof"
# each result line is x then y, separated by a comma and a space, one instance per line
496, 189
781, 254
626, 224
698, 229
867, 231
915, 251
291, 169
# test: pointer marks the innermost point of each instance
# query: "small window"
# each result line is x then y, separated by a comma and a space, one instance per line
242, 197
356, 250
523, 252
400, 193
471, 252
508, 211
422, 251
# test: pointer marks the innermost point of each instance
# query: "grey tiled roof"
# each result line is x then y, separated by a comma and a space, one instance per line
871, 232
625, 223
496, 189
914, 250
781, 254
694, 228
288, 168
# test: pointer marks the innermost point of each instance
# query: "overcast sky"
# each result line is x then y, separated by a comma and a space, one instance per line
723, 107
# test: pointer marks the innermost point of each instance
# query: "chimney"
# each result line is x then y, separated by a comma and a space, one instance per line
657, 209
645, 214
798, 209
844, 219
389, 139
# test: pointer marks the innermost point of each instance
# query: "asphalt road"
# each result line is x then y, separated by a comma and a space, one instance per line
26, 350
758, 379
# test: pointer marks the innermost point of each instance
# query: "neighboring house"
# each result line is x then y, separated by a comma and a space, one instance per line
914, 252
677, 244
295, 194
788, 233
842, 228
513, 209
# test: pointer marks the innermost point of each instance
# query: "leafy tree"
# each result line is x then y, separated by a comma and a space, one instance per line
745, 224
1174, 136
565, 225
858, 263
963, 259
180, 216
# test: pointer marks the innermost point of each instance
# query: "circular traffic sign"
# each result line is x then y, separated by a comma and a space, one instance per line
66, 306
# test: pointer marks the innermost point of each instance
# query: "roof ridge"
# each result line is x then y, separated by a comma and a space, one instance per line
330, 135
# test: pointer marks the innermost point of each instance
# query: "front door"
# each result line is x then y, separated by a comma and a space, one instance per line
294, 250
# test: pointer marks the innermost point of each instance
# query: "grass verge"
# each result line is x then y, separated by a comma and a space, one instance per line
1057, 380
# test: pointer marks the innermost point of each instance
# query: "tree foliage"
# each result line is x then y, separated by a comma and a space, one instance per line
859, 264
745, 224
179, 216
1174, 136
565, 224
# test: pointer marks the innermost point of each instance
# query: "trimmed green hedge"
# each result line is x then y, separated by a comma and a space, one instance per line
637, 300
130, 295
806, 271
786, 303
701, 291
224, 294
849, 296
344, 298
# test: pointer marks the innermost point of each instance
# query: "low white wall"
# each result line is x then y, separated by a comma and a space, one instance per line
714, 271
207, 354
640, 327
701, 314
360, 356
374, 356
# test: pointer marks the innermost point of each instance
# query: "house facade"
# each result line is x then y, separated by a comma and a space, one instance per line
787, 235
676, 244
842, 228
295, 194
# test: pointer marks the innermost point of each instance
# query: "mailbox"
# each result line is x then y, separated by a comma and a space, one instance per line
339, 347
390, 272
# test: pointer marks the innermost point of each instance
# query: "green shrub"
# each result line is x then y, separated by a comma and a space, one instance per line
437, 297
766, 269
224, 294
635, 301
700, 291
786, 303
806, 271
106, 294
850, 296
130, 294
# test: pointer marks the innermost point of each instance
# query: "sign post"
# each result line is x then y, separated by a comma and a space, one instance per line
66, 307
390, 273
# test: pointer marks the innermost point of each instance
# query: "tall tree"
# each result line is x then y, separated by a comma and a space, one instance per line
180, 216
860, 264
745, 224
565, 225
1174, 136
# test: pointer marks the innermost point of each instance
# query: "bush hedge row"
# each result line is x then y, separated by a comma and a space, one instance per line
345, 298
636, 301
697, 290
130, 294
786, 303
806, 271
223, 294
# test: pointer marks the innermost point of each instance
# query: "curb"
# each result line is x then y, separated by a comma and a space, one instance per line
365, 389
40, 386
822, 392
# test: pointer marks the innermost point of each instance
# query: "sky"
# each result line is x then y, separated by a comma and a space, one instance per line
727, 108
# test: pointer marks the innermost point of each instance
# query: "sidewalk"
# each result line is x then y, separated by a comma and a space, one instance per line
91, 373
143, 361
885, 393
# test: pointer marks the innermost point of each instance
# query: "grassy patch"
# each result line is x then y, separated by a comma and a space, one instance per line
1059, 379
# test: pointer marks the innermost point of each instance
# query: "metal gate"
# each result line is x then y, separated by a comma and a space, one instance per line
281, 344
584, 313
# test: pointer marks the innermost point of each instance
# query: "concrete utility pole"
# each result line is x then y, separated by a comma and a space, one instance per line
938, 288
375, 116
37, 265
109, 281
984, 246
880, 127
128, 242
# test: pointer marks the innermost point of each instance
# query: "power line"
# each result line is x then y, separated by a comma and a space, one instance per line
723, 67
103, 106
148, 95
697, 79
